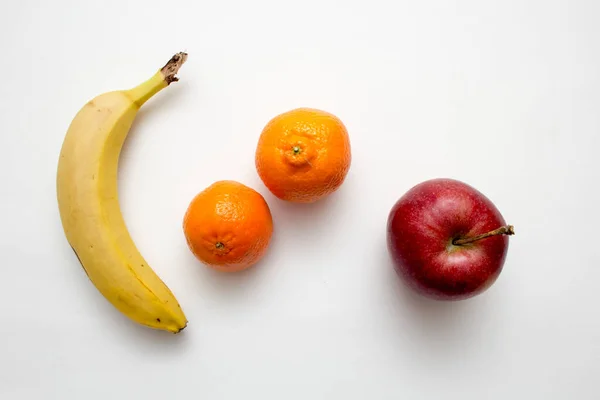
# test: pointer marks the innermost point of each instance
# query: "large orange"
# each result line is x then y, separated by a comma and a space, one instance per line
303, 155
228, 226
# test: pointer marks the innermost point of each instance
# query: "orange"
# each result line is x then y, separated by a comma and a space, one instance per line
303, 155
228, 226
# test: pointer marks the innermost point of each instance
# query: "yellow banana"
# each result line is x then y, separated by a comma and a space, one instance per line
89, 205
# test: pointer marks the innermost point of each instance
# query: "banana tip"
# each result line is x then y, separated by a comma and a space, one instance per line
181, 329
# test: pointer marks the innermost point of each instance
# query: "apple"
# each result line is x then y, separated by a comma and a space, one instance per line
447, 240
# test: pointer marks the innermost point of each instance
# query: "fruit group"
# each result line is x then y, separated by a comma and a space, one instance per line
89, 205
228, 226
303, 155
447, 240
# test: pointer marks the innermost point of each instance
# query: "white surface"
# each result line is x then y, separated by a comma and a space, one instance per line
504, 95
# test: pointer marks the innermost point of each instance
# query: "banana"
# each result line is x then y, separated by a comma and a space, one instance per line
89, 205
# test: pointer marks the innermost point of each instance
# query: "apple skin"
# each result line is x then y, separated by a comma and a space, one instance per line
421, 228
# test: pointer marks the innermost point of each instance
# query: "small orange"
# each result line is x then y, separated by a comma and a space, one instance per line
303, 155
228, 226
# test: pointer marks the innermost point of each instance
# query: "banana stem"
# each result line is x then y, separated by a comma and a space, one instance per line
172, 67
160, 80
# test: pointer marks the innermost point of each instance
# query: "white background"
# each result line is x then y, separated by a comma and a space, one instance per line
503, 95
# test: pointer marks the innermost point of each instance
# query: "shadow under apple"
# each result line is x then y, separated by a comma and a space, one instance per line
439, 331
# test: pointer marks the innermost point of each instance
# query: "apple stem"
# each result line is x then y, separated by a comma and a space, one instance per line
503, 230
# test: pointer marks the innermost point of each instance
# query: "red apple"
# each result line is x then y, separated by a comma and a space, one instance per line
447, 240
